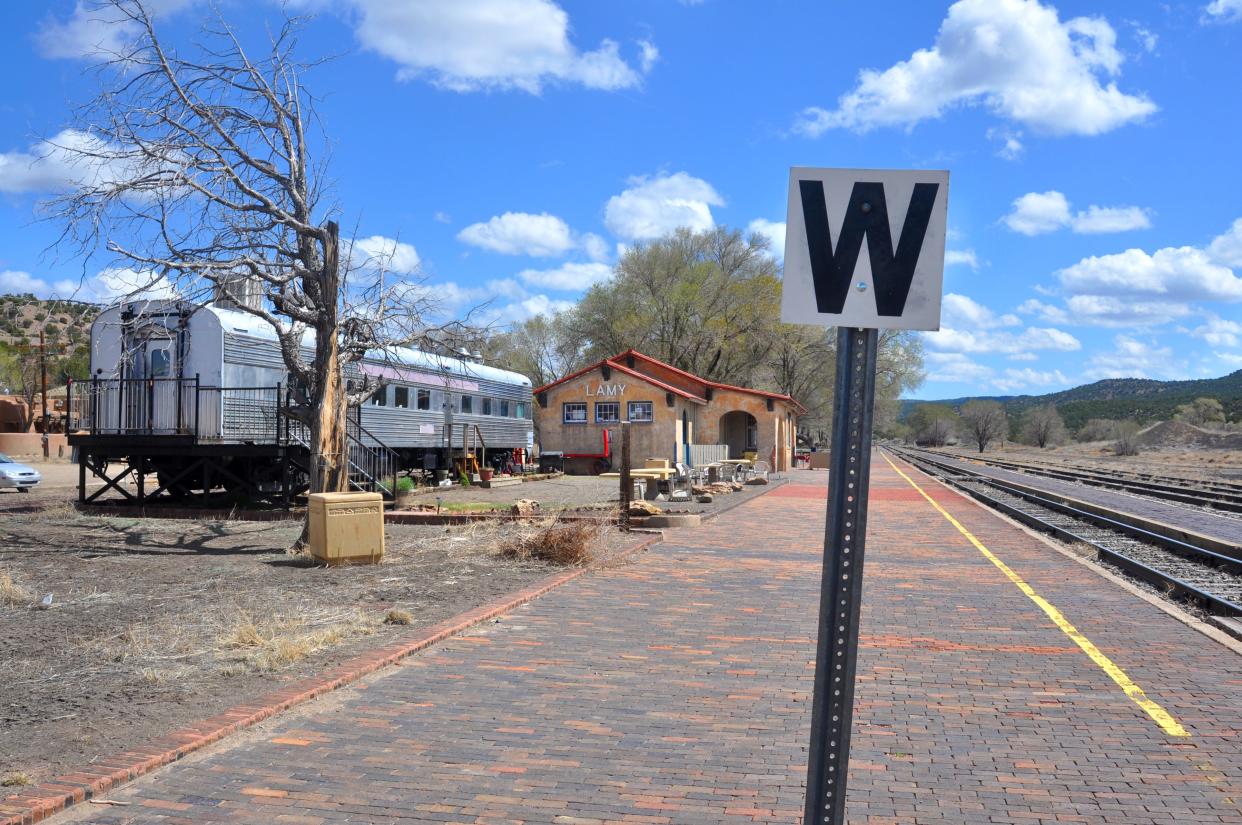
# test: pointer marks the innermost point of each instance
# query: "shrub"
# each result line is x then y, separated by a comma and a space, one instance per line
1127, 438
563, 544
405, 484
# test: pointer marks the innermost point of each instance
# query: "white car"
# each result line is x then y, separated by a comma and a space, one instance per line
13, 474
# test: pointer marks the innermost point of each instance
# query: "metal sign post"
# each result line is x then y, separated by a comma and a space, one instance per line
833, 283
841, 586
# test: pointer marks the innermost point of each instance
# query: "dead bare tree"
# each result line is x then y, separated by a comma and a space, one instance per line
985, 421
206, 170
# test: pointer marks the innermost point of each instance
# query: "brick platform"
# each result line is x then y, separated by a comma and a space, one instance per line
674, 690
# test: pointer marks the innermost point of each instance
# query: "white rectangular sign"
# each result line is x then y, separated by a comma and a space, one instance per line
865, 247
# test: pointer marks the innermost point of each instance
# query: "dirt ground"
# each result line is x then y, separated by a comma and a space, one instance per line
1179, 461
158, 623
584, 494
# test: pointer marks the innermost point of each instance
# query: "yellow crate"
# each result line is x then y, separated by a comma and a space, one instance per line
347, 528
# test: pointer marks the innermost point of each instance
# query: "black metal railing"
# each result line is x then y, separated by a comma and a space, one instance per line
174, 406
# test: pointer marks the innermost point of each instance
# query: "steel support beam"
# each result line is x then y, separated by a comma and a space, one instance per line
832, 707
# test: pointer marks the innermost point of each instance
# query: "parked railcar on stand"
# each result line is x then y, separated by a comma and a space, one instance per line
199, 397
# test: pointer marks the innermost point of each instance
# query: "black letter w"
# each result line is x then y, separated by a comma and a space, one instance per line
832, 272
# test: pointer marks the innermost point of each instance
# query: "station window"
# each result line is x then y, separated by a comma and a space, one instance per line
424, 399
504, 409
401, 397
574, 412
641, 412
607, 412
467, 404
380, 398
519, 410
487, 406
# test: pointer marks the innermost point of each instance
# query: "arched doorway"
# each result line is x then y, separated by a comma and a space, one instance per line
740, 431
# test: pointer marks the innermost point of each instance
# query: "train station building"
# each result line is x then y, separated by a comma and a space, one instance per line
672, 412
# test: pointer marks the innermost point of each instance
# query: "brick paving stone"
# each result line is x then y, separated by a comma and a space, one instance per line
674, 690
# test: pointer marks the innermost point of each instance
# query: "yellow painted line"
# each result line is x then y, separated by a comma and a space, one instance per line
1127, 685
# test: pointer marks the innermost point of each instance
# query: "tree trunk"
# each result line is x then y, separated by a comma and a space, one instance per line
329, 458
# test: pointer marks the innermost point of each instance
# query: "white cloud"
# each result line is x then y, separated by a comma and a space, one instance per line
654, 206
1037, 213
519, 311
1175, 273
57, 164
569, 276
953, 367
1011, 146
379, 252
1219, 332
774, 231
1226, 248
1102, 219
490, 44
1015, 57
16, 282
962, 257
648, 55
442, 217
95, 31
1148, 38
1026, 378
981, 342
594, 246
1224, 9
1232, 359
961, 311
520, 233
1132, 358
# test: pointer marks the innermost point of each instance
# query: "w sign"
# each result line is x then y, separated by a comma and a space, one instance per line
865, 248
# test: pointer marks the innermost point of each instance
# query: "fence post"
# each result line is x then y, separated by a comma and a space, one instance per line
179, 400
627, 485
93, 398
276, 413
197, 405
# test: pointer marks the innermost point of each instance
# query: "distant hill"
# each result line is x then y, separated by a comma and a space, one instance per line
22, 316
1139, 398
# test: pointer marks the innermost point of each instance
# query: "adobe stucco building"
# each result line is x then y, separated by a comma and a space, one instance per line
669, 410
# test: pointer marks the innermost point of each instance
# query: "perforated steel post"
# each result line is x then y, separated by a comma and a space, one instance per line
832, 705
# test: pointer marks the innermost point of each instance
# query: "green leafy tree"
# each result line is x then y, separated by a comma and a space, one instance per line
1201, 412
932, 424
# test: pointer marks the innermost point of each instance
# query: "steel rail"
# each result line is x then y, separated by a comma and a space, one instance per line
1217, 499
1138, 569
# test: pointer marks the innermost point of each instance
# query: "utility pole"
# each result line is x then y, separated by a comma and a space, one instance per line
43, 386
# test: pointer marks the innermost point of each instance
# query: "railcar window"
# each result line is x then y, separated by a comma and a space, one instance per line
467, 404
574, 412
487, 406
424, 399
607, 412
519, 410
380, 399
401, 397
504, 409
641, 412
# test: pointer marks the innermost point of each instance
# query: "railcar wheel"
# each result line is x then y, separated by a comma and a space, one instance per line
601, 465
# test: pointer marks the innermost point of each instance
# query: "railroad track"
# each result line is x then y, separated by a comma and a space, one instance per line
1181, 570
1217, 495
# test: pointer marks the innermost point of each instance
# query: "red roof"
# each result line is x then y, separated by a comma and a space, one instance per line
617, 362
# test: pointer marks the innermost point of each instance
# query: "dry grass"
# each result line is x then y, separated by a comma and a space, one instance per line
398, 616
569, 545
12, 593
267, 646
16, 779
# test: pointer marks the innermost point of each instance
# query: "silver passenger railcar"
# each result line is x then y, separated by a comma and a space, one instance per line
215, 374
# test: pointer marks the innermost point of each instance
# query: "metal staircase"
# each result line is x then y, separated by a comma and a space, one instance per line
373, 465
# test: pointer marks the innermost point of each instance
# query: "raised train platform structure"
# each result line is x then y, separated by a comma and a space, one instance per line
1000, 680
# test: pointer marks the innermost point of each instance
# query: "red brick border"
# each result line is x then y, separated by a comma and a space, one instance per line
53, 796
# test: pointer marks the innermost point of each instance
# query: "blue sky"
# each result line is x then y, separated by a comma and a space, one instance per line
513, 146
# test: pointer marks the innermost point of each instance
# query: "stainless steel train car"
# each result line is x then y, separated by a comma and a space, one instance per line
169, 372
